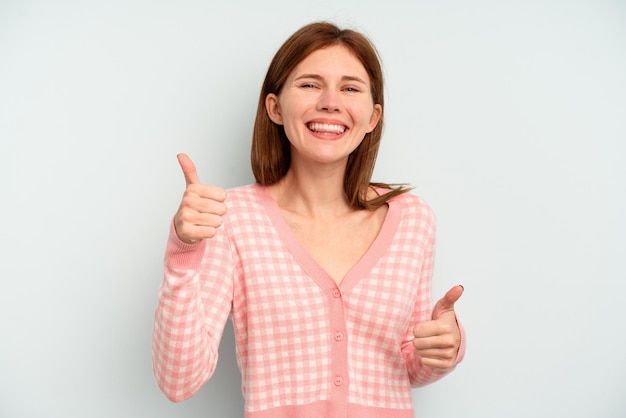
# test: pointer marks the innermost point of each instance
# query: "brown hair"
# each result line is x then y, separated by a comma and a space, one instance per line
271, 154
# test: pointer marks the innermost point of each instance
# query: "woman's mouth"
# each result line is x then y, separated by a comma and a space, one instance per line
326, 128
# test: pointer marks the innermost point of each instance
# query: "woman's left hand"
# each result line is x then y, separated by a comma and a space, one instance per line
437, 341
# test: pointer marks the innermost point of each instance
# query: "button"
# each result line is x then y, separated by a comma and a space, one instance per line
336, 293
338, 380
338, 336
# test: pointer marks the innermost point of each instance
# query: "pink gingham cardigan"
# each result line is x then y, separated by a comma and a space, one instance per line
306, 347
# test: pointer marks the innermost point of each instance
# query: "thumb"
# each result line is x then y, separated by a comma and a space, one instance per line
446, 303
189, 169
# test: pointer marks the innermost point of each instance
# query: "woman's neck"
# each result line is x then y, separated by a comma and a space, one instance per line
312, 193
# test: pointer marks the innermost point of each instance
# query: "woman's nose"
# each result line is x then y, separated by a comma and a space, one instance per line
329, 101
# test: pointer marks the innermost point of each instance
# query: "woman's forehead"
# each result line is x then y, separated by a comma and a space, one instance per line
332, 60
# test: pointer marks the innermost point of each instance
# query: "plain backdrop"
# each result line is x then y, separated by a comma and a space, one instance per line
508, 117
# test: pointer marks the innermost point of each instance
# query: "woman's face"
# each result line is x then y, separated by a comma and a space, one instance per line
325, 106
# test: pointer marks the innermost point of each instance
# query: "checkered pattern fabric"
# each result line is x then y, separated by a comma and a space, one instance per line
305, 345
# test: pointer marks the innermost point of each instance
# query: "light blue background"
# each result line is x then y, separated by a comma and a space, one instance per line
507, 116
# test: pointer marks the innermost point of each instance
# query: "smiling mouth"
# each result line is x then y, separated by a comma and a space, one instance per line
325, 128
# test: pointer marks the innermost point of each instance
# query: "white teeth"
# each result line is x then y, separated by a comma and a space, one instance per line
325, 127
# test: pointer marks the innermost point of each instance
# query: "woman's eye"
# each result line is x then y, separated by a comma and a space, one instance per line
351, 89
308, 86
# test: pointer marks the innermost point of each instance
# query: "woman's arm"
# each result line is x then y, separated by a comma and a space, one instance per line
435, 342
195, 297
194, 302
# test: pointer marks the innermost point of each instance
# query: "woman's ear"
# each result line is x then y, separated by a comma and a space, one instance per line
272, 107
376, 114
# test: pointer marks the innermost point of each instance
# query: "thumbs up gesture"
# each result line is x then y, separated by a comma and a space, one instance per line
437, 341
202, 207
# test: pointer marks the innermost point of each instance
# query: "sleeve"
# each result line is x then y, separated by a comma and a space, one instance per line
419, 374
194, 302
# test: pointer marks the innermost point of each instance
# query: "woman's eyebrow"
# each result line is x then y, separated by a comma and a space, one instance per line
353, 78
343, 78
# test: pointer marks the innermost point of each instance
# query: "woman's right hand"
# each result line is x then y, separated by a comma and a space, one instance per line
202, 207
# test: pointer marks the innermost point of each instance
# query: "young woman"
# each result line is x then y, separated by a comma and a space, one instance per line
325, 275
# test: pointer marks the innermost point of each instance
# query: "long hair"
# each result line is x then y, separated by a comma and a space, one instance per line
271, 153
